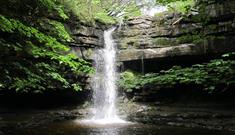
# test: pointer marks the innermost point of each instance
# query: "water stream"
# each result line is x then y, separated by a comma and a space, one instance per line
104, 83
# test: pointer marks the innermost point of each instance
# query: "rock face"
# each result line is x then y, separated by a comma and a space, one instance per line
153, 53
165, 35
86, 37
217, 9
211, 31
146, 32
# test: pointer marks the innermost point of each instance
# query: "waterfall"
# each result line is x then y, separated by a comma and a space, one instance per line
104, 82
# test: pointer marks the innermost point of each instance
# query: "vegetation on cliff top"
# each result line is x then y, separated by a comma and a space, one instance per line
106, 11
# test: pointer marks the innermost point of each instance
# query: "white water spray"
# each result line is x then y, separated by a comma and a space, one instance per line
104, 83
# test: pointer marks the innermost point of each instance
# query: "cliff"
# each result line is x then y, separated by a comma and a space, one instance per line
202, 34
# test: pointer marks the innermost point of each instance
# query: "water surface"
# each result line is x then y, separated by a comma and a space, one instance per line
75, 128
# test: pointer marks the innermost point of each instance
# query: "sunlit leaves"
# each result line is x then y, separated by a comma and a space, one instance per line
53, 5
105, 11
54, 28
35, 62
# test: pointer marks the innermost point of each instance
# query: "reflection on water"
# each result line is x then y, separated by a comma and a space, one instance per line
74, 128
102, 128
113, 131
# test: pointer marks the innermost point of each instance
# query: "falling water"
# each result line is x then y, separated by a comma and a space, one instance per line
104, 87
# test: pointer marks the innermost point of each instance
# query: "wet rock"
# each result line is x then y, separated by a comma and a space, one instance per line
86, 37
172, 29
180, 115
180, 50
217, 8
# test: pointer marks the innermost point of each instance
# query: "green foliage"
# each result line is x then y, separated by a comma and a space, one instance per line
53, 5
132, 11
130, 81
88, 11
15, 26
59, 29
103, 11
54, 28
215, 75
191, 38
231, 54
103, 17
181, 6
32, 61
